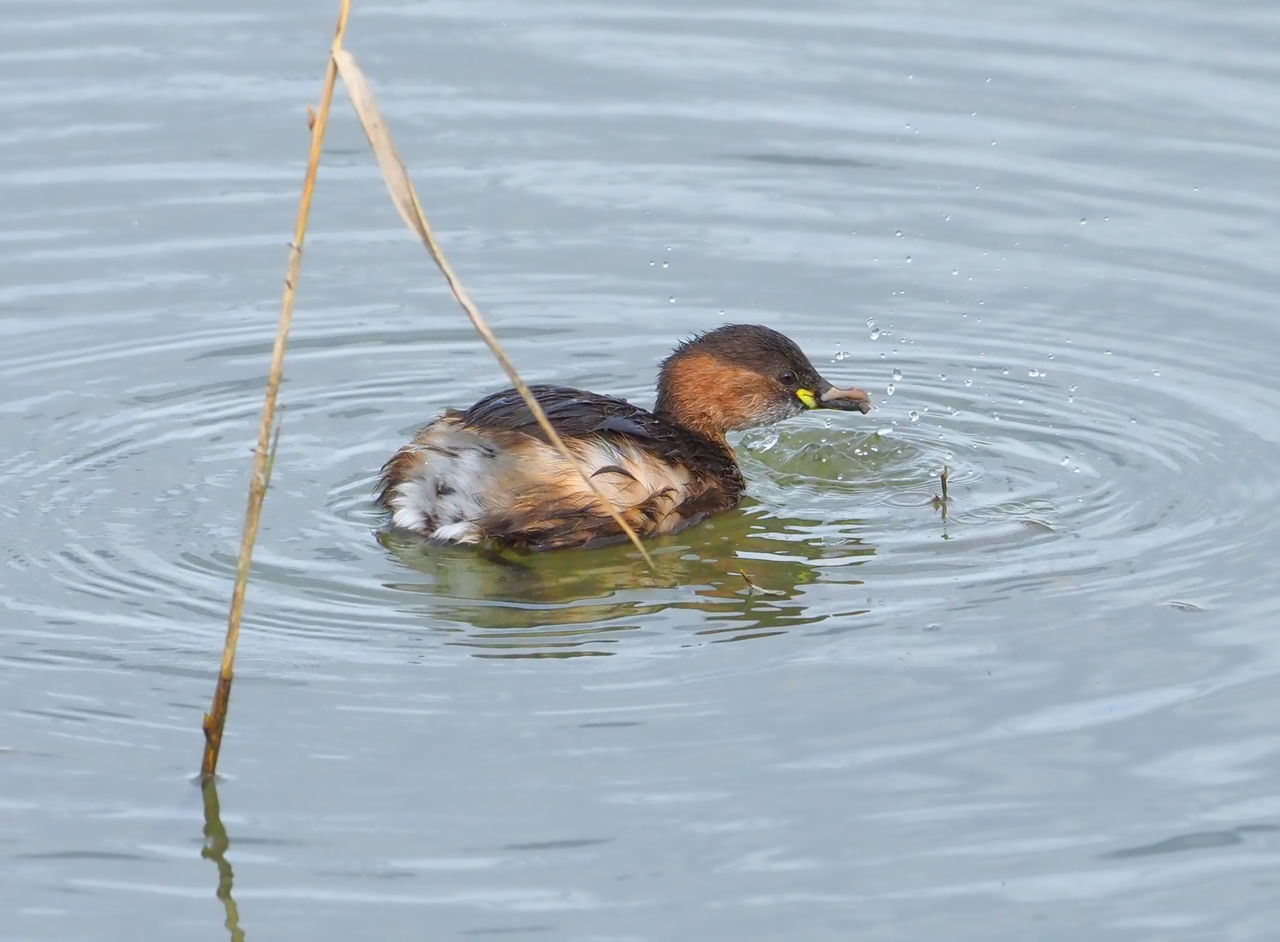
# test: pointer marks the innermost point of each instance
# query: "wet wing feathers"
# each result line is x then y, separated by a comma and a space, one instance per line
572, 412
488, 473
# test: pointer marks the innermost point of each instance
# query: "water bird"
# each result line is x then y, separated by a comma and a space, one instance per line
488, 475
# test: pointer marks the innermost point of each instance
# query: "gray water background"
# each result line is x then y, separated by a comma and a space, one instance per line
1051, 228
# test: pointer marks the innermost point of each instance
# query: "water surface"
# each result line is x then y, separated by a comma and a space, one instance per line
1043, 237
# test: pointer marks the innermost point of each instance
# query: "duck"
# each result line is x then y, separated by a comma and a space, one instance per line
488, 475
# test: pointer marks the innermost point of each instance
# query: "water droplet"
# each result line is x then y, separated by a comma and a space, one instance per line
1083, 221
671, 300
888, 390
908, 259
1072, 388
897, 234
948, 456
897, 374
1034, 374
652, 263
1066, 460
1004, 372
875, 333
913, 415
968, 382
942, 376
766, 441
955, 271
1155, 372
666, 264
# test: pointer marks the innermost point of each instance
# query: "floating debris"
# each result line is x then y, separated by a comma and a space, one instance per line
752, 588
939, 503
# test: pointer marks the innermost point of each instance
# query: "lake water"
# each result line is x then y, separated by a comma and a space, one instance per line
1043, 236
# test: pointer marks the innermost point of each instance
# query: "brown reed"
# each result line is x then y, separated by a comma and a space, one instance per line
216, 718
406, 202
405, 199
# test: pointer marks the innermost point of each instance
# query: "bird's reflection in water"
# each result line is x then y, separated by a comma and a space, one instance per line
720, 581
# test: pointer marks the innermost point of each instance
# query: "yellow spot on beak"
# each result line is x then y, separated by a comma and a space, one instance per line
808, 398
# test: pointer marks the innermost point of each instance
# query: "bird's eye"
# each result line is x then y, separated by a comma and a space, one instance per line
787, 378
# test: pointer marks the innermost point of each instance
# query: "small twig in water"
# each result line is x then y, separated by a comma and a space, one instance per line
940, 503
753, 588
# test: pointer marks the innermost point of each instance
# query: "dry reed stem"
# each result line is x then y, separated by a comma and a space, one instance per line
216, 718
405, 199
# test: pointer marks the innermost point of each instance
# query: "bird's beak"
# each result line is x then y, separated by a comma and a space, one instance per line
848, 400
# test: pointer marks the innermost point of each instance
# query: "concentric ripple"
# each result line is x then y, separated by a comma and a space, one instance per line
1087, 469
1074, 467
1050, 227
1081, 344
